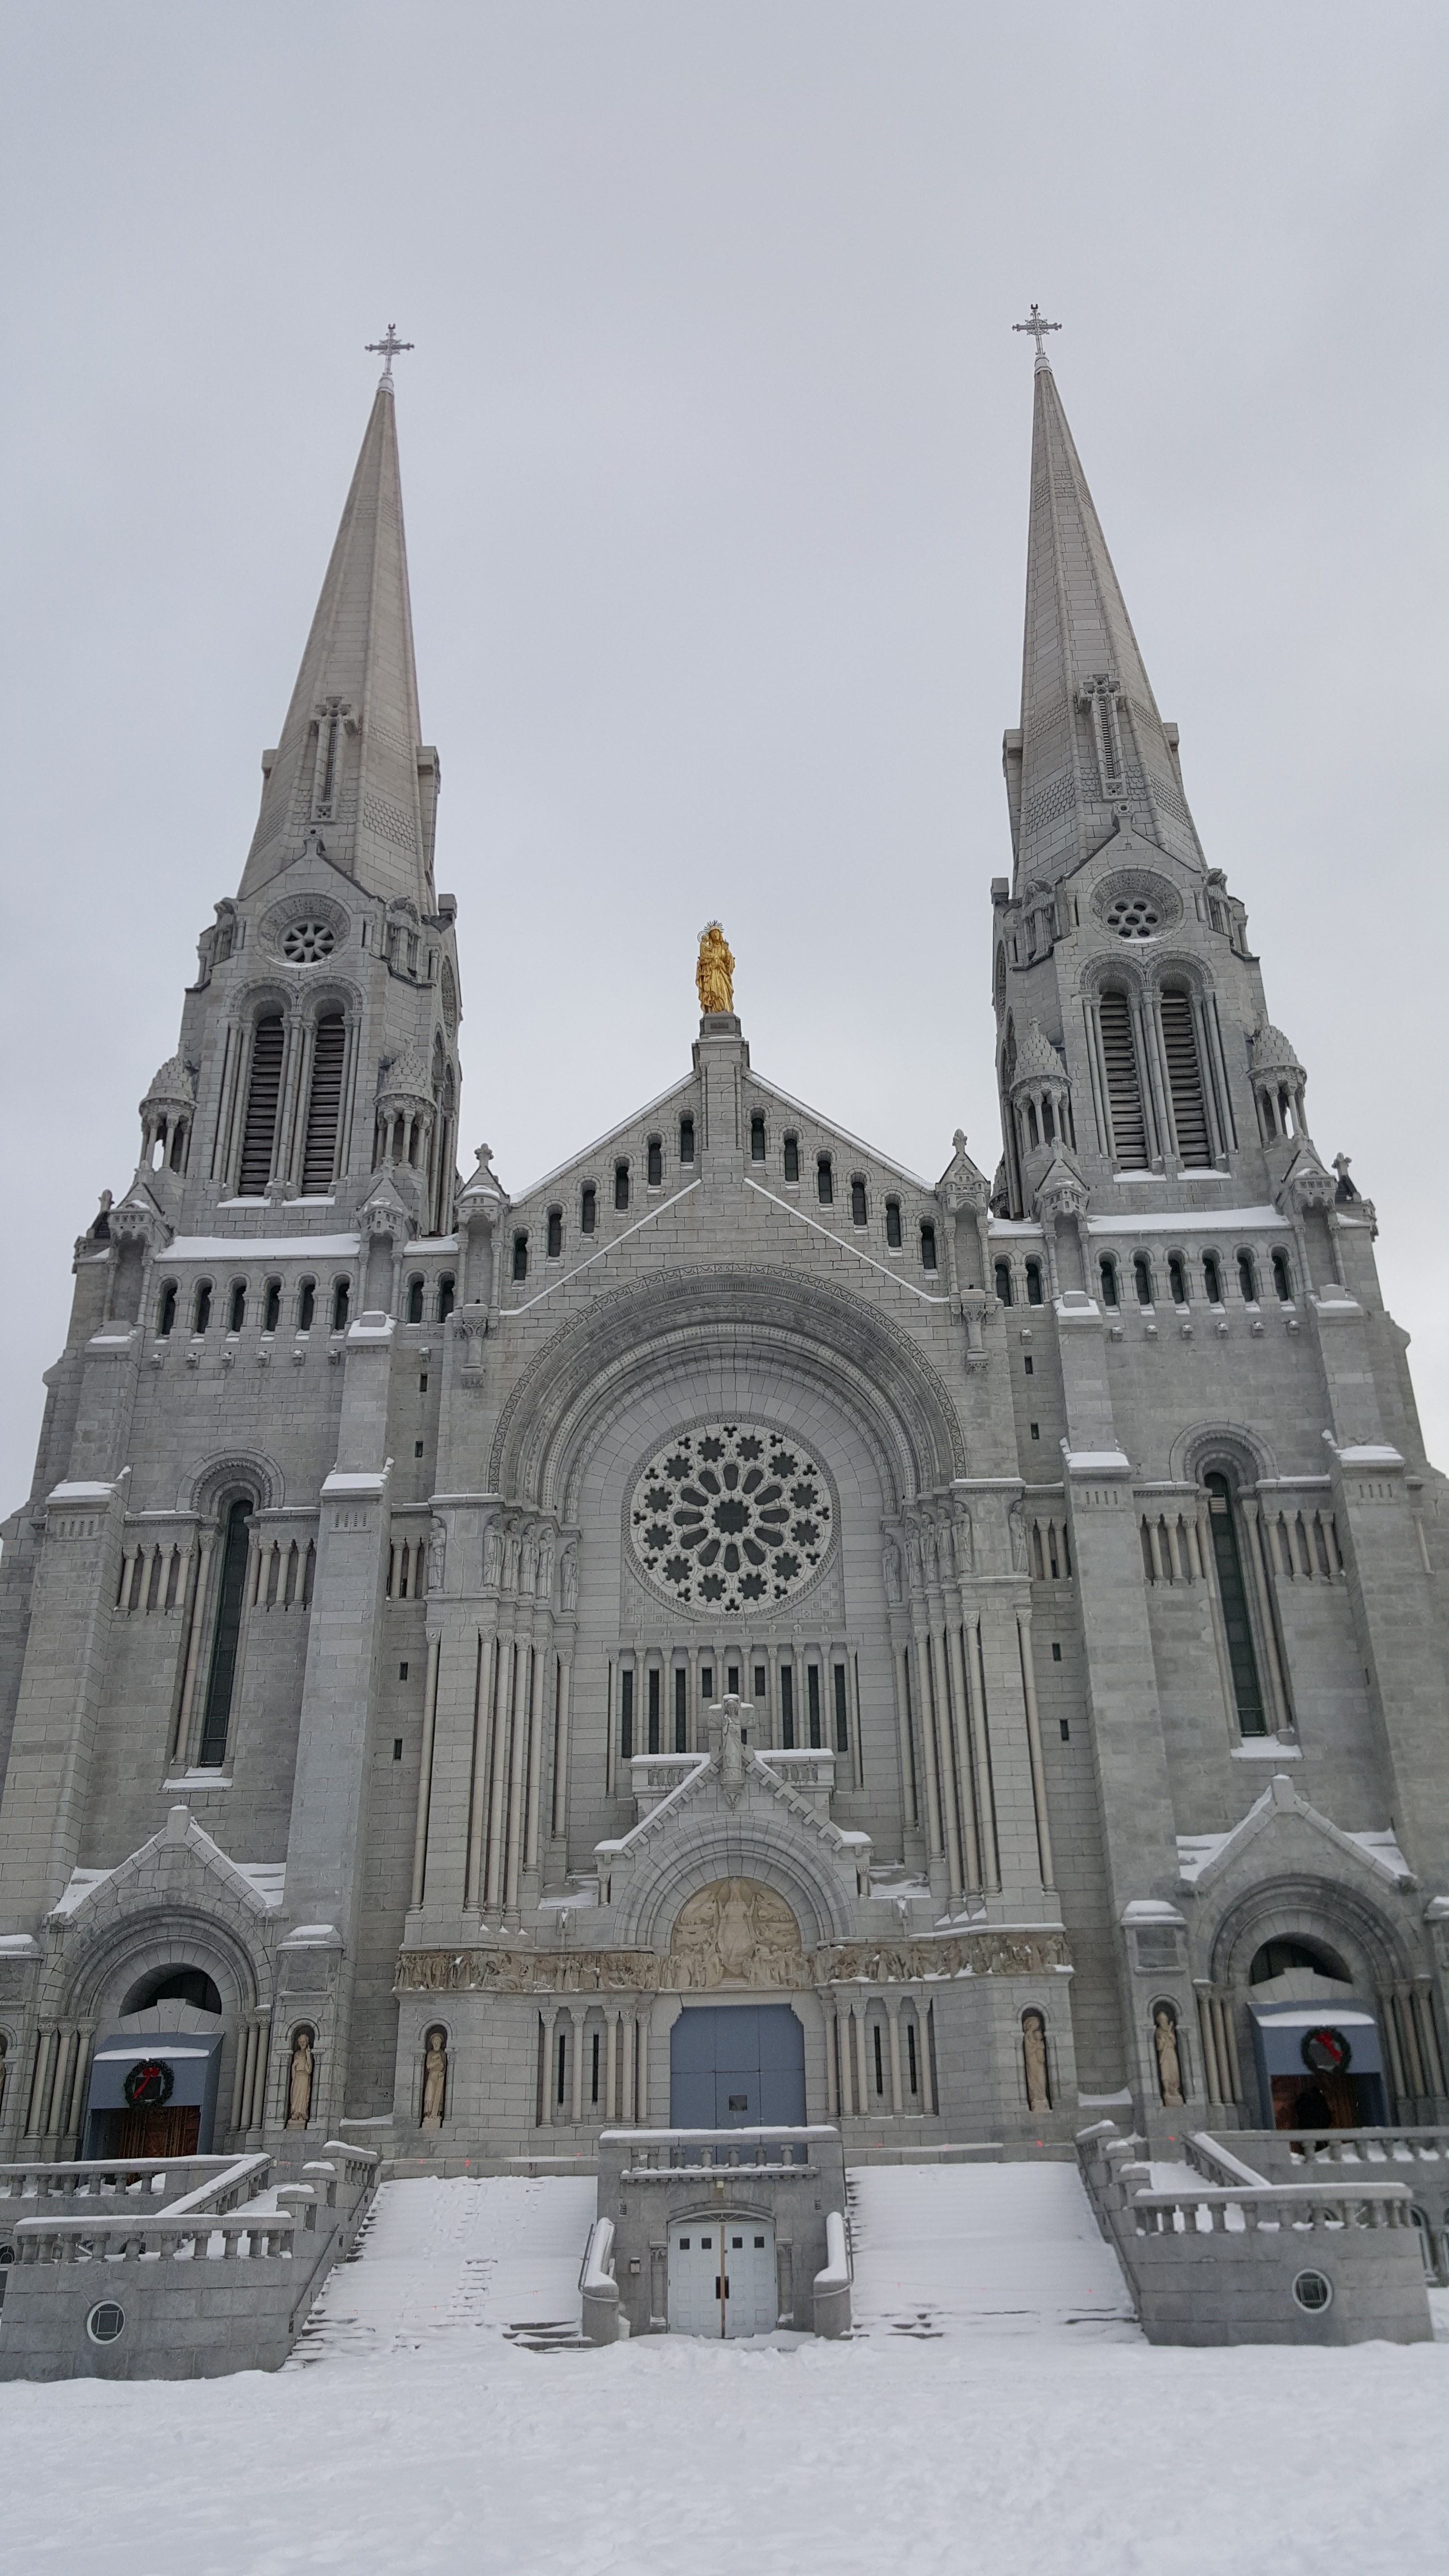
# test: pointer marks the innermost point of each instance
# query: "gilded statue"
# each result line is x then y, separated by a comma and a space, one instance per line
714, 975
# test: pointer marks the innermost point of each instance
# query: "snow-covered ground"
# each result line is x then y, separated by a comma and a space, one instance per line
996, 2411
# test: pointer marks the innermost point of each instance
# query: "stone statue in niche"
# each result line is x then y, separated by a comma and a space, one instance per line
545, 1566
528, 1564
299, 2080
1169, 2064
511, 1546
891, 1571
437, 1557
492, 1553
1034, 2061
571, 1577
736, 1932
1016, 1522
435, 2079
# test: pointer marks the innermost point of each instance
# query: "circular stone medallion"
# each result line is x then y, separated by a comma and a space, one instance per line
730, 1515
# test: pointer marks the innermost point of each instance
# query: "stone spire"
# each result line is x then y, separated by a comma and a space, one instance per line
1092, 749
350, 774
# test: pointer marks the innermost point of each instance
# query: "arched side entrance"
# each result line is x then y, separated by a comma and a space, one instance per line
736, 2066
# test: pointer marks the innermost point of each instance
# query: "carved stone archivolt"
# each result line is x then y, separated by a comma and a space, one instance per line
737, 1933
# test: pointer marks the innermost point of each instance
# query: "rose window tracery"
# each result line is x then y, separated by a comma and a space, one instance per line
730, 1516
1133, 916
306, 942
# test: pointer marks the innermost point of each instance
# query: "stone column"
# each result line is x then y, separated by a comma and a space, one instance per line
548, 2017
576, 2104
893, 2015
561, 1756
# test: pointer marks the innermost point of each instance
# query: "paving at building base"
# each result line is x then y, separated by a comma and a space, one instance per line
995, 2400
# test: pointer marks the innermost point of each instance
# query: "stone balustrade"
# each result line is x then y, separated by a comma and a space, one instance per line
1227, 2255
119, 2275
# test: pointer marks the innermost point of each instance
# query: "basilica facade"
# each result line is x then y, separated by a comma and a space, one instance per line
736, 1632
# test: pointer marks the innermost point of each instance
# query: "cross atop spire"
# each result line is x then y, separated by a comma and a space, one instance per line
1038, 330
390, 347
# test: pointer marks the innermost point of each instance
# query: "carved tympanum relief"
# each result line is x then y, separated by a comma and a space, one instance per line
736, 1932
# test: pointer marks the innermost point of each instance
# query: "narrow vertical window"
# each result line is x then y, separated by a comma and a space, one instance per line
1108, 1268
652, 1744
1033, 1283
893, 1225
928, 1244
857, 1202
306, 1304
1142, 1278
555, 1234
626, 1714
824, 1181
1247, 1283
236, 1314
1212, 1278
341, 1299
757, 1137
787, 1707
201, 1313
324, 1106
1176, 1279
272, 1306
588, 1208
166, 1316
686, 1140
1003, 1282
681, 1708
1184, 1078
447, 1296
792, 1158
655, 1163
222, 1677
415, 1301
1124, 1090
264, 1089
842, 1719
621, 1185
1227, 1558
812, 1700
520, 1255
1282, 1283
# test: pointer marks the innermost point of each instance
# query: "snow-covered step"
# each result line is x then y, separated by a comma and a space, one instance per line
442, 2258
984, 2252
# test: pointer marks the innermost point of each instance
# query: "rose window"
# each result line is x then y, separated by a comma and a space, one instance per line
307, 941
731, 1515
1133, 916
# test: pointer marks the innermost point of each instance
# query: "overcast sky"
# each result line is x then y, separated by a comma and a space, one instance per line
715, 449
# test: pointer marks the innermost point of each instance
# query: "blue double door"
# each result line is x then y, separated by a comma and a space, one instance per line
736, 2066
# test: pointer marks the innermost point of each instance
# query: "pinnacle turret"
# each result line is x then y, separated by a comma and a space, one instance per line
350, 776
1091, 746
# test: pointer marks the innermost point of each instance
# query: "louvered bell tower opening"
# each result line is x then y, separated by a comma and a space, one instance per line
1124, 1089
264, 1090
324, 1109
1184, 1077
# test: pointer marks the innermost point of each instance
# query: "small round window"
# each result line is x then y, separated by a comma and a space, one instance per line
1133, 916
307, 941
105, 2321
1313, 2292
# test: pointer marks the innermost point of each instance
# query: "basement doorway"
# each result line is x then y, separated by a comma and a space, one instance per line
722, 2276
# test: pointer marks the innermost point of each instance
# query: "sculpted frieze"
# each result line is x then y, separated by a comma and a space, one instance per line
734, 1933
